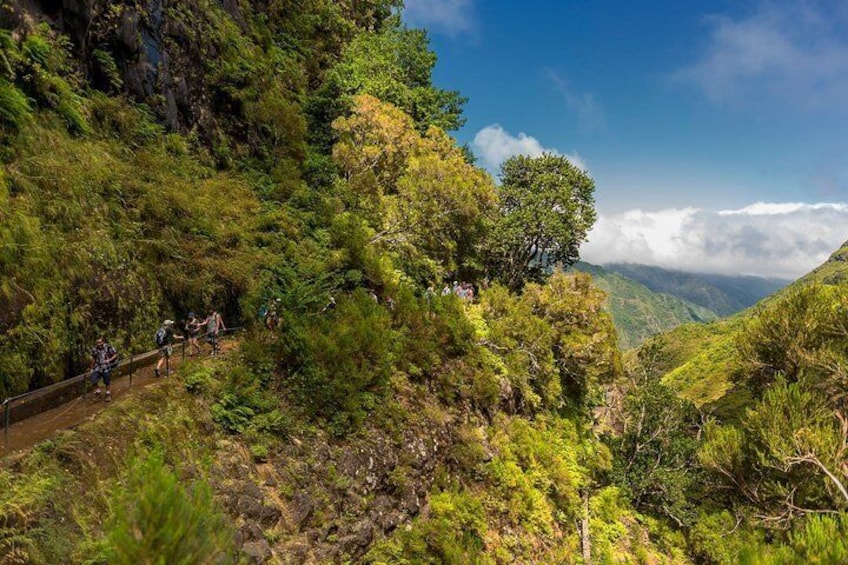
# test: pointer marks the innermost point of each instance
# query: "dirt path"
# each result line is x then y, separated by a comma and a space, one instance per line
27, 433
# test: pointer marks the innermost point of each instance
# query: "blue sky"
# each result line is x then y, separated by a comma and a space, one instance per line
726, 117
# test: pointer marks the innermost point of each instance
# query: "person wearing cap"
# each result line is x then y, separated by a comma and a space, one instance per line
104, 358
164, 339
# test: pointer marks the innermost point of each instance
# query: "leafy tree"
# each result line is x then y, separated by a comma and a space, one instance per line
656, 450
803, 334
546, 210
787, 458
556, 344
421, 197
396, 65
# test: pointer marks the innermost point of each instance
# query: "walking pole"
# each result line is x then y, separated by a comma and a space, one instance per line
6, 426
167, 361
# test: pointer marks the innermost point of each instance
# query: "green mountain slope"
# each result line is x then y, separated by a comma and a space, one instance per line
724, 295
637, 311
700, 362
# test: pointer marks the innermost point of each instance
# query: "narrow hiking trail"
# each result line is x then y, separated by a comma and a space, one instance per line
27, 433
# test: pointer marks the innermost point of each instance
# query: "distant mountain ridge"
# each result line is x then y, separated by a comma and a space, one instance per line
723, 294
639, 312
698, 361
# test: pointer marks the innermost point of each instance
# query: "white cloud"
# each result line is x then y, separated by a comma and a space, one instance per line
794, 51
448, 16
783, 240
494, 145
590, 114
782, 208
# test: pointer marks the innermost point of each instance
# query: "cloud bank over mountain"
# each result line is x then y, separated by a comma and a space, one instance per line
767, 239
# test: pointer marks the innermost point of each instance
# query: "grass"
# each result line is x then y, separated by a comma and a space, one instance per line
66, 501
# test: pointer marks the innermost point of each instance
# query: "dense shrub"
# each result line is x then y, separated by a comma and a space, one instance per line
156, 519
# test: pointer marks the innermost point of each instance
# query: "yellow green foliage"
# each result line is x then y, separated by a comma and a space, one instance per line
452, 534
536, 475
707, 375
555, 340
23, 501
717, 538
154, 518
620, 535
422, 199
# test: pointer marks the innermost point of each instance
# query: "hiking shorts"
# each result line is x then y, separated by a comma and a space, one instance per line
166, 351
104, 374
212, 339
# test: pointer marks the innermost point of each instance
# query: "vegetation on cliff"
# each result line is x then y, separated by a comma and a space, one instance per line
159, 159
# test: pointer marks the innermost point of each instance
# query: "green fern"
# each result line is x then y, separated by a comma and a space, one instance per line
14, 107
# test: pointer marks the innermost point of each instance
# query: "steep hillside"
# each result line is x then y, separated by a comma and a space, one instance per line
724, 295
288, 163
165, 157
639, 312
702, 363
766, 391
470, 464
833, 271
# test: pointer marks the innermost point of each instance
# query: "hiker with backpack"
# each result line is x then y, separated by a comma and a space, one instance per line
164, 339
214, 326
272, 316
192, 330
104, 358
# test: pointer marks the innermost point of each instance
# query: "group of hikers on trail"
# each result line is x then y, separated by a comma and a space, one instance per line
104, 357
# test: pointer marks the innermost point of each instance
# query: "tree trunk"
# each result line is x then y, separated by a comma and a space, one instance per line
586, 542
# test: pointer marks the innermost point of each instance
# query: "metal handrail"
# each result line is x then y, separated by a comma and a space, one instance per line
134, 357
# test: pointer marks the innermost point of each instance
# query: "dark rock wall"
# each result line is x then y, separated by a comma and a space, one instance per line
160, 53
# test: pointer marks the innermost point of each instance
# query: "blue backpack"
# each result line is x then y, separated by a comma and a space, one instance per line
161, 337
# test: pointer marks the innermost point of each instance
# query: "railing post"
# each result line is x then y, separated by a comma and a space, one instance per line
169, 350
6, 426
131, 369
184, 348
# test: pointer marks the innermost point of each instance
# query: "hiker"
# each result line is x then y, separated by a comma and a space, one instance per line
272, 316
104, 358
429, 294
164, 340
331, 305
214, 326
192, 331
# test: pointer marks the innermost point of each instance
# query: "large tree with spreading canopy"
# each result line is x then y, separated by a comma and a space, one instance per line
546, 210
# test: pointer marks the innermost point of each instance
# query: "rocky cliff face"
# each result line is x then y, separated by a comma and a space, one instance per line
143, 48
323, 501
